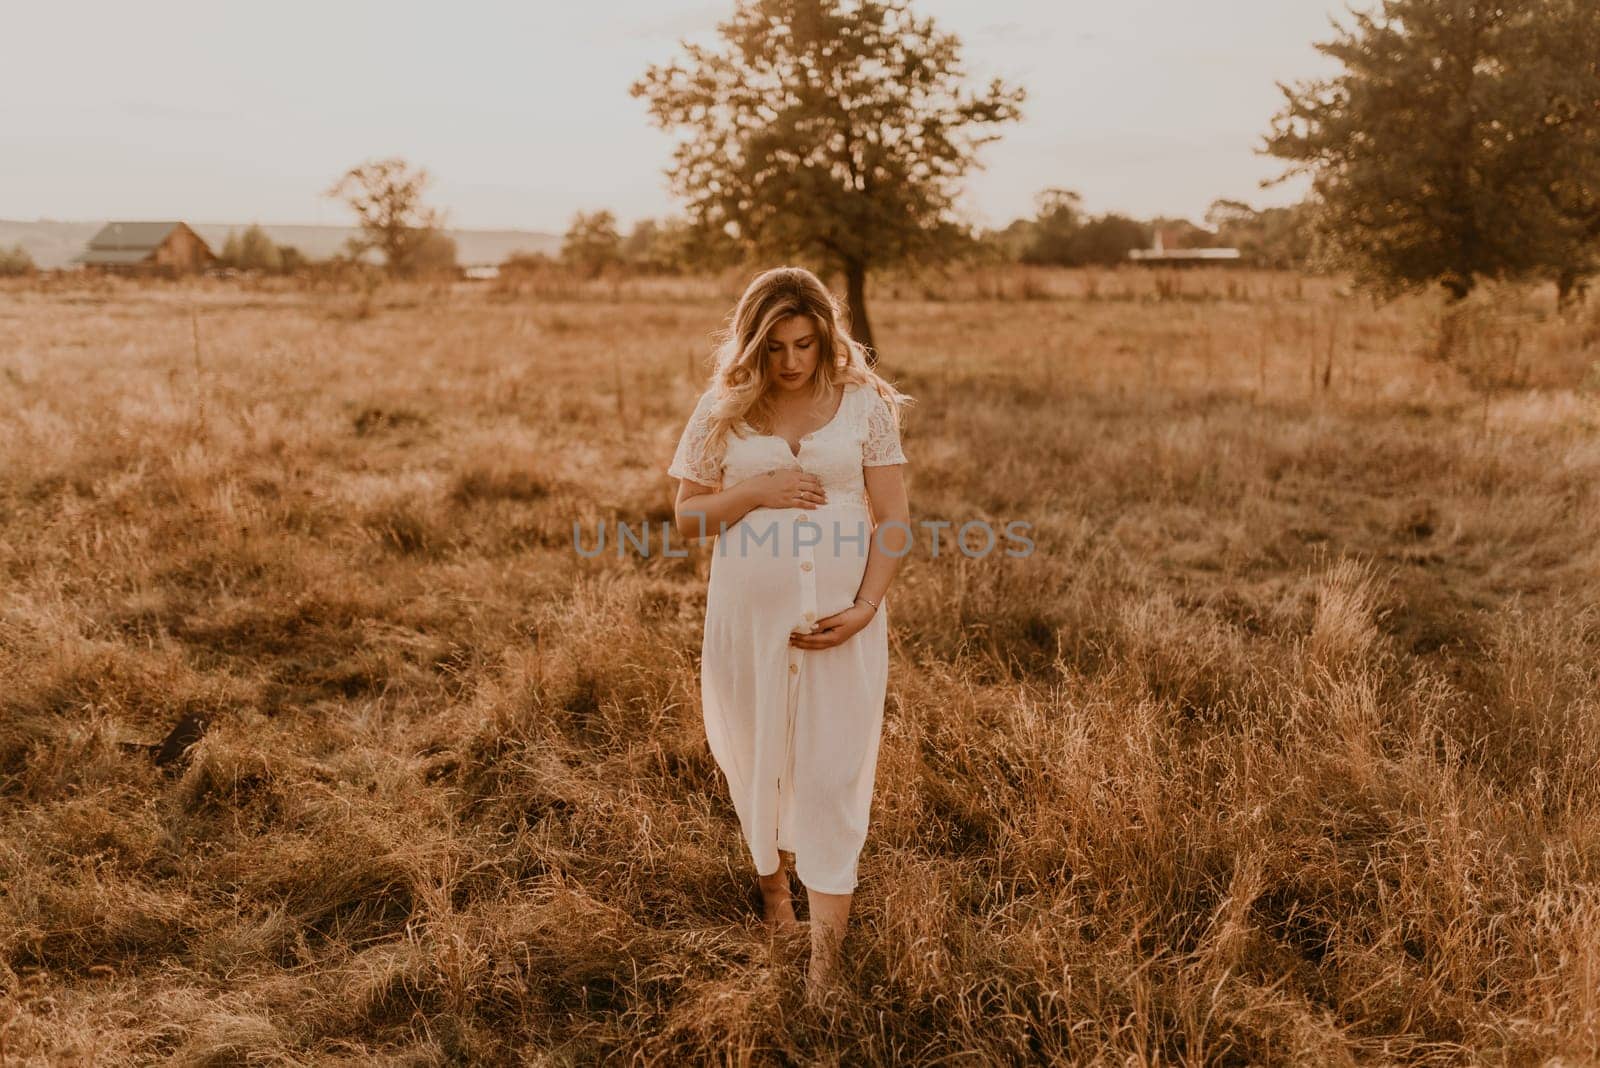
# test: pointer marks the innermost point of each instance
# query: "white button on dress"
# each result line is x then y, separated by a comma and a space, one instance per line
795, 731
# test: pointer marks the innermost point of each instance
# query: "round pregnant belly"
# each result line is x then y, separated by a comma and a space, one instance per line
767, 559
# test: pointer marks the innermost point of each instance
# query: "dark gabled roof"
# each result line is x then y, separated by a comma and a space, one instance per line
131, 235
115, 257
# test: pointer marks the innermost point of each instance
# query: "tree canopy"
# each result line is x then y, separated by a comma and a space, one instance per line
830, 130
386, 195
1460, 141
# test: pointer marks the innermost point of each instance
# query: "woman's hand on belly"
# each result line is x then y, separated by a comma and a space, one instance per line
835, 629
787, 487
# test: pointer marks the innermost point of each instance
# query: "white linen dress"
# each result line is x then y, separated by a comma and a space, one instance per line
795, 731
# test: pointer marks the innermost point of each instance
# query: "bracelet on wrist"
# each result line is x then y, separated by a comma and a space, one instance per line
870, 601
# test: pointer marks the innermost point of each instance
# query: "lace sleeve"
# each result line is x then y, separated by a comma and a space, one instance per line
882, 445
690, 460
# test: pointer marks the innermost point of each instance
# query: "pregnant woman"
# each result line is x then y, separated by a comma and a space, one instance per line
792, 461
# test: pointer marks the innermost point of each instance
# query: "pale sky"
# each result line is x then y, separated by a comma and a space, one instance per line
221, 111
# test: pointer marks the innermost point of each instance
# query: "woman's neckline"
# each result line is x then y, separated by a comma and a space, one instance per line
838, 409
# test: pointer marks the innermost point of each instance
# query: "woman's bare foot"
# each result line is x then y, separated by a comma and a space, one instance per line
829, 914
823, 987
777, 905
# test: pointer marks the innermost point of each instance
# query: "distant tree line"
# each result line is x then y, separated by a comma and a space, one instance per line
1062, 234
594, 245
254, 250
1059, 234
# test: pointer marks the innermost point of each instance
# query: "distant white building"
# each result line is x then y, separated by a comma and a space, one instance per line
1159, 253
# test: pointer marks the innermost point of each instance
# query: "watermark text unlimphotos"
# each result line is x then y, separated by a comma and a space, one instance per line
975, 538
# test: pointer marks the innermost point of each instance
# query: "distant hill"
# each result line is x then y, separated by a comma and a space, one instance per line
51, 244
54, 244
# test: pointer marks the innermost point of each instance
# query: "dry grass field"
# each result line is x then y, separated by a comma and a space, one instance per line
1282, 747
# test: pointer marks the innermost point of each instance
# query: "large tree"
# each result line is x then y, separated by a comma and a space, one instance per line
386, 195
1459, 141
1573, 39
834, 130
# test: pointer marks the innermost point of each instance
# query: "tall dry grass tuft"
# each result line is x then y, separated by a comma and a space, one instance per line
1344, 632
1278, 748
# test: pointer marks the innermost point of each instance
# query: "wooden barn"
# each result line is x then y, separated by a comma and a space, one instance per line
147, 248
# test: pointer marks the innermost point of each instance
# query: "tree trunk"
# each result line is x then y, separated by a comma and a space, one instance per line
1569, 288
855, 274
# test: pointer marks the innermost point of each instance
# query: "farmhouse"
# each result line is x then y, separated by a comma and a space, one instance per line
147, 247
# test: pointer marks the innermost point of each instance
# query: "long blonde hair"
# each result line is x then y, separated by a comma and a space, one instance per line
742, 381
